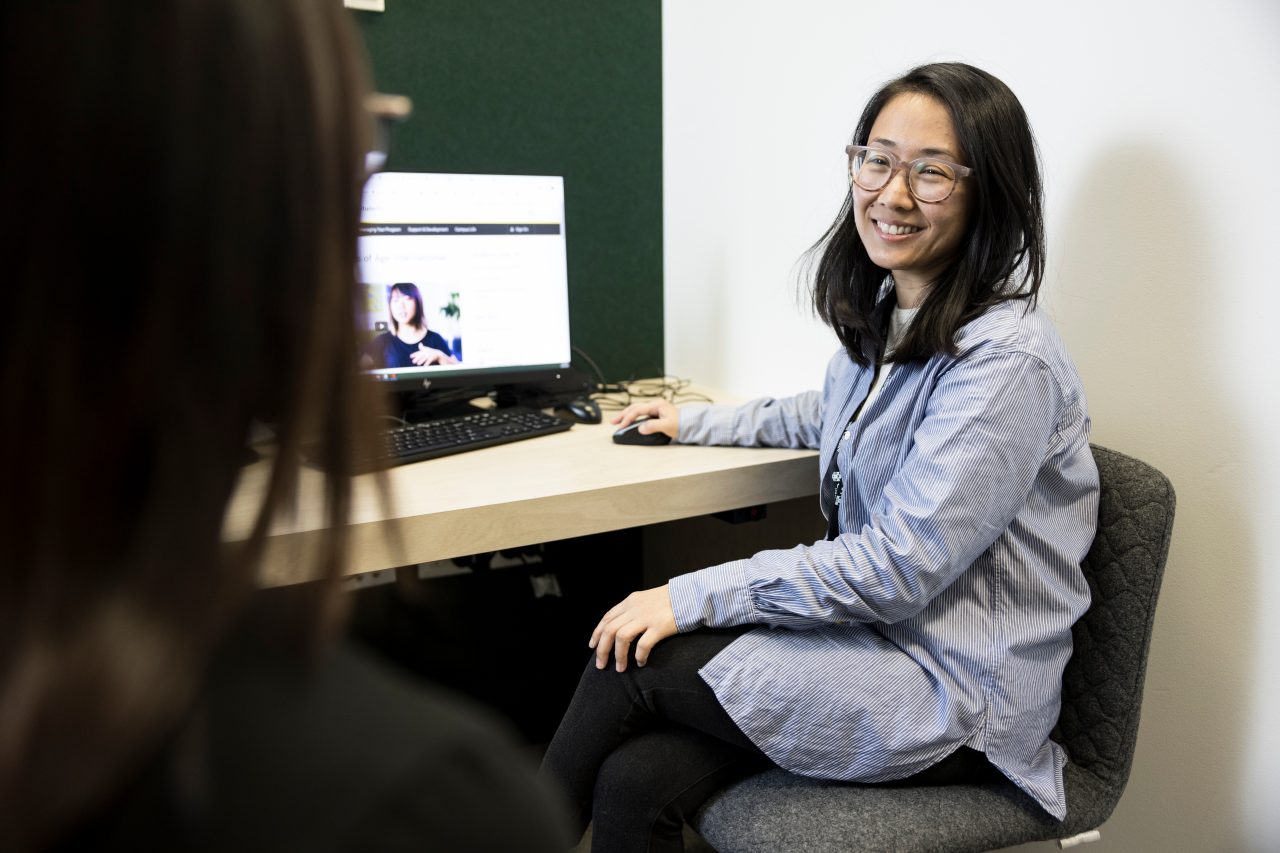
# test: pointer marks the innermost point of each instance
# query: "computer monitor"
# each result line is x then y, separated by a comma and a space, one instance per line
465, 280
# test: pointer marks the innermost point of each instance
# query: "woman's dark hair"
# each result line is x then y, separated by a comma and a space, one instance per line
1000, 256
179, 220
419, 318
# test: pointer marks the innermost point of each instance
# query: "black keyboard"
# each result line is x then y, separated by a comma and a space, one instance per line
443, 436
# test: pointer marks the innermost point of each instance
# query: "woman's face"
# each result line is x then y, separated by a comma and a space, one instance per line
914, 240
402, 307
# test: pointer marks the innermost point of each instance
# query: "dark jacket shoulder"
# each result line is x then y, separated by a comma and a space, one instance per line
345, 755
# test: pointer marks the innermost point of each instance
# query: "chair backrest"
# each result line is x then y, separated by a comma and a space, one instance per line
1102, 684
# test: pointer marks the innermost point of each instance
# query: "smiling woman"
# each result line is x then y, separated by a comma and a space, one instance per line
409, 341
953, 255
927, 633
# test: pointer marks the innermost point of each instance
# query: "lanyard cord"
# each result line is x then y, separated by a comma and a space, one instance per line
833, 480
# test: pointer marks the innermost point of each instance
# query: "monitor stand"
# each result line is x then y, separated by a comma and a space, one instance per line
545, 391
418, 406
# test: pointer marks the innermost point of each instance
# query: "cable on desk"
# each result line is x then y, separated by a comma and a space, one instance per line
673, 389
614, 396
600, 381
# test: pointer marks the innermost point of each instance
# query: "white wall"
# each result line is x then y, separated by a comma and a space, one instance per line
1163, 281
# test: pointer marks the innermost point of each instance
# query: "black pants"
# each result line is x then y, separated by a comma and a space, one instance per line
639, 752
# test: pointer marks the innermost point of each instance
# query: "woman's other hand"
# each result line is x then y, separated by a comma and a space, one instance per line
425, 355
644, 618
663, 417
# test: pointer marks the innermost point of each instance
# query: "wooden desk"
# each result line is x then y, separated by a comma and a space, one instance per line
554, 487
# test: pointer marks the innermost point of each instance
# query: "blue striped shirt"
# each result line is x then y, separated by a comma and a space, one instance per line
941, 614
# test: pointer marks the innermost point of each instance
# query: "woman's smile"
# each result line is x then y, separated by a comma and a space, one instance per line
893, 231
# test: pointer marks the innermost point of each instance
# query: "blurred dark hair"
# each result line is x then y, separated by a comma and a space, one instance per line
1001, 255
419, 318
180, 201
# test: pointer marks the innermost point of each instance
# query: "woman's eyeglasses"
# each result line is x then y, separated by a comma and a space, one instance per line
929, 179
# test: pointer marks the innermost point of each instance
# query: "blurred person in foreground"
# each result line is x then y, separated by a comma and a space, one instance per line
181, 196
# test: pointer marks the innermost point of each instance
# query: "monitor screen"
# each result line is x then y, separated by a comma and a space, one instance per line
465, 279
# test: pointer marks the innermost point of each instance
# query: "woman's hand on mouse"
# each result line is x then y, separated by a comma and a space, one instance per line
644, 618
662, 417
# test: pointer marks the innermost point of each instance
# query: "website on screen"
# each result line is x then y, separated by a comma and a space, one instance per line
462, 273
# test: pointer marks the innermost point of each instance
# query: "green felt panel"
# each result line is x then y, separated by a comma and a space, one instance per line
572, 88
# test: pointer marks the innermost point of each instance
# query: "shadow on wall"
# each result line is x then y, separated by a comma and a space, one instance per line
1143, 314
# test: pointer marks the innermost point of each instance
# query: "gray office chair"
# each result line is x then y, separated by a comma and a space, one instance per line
1098, 726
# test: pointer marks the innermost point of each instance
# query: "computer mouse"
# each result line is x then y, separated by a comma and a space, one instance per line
583, 410
631, 434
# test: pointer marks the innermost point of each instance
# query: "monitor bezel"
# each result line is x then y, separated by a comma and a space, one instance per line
486, 380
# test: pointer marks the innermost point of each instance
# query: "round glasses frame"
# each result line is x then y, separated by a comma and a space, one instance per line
896, 163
